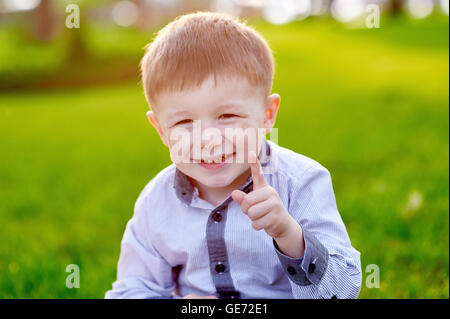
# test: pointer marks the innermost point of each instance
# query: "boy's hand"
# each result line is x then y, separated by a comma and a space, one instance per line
263, 205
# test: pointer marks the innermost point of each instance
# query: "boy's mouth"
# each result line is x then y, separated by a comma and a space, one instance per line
216, 163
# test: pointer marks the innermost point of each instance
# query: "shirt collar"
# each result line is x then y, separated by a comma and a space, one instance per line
185, 191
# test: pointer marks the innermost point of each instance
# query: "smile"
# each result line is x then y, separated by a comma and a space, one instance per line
216, 163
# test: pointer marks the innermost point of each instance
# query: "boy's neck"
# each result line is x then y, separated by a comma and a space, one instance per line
216, 196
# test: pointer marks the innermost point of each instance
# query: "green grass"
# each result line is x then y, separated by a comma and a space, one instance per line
370, 105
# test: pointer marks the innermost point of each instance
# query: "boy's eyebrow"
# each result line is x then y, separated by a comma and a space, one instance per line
229, 106
179, 114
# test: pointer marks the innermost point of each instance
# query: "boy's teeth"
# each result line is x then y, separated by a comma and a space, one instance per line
216, 160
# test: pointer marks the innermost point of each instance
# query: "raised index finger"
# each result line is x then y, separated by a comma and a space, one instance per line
257, 173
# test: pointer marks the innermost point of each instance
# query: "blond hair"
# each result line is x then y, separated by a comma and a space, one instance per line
197, 45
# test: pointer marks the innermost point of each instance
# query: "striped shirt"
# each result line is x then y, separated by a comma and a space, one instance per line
176, 241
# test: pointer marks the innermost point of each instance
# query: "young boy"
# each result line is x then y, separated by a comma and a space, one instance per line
196, 228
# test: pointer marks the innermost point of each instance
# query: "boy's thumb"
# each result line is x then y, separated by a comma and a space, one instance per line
238, 196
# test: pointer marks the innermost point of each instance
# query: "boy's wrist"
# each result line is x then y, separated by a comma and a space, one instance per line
292, 243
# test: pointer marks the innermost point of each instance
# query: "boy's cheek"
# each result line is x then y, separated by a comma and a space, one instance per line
180, 152
249, 144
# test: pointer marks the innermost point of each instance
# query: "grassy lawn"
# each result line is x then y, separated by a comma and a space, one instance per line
370, 105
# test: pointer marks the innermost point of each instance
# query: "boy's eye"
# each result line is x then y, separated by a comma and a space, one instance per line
227, 116
186, 121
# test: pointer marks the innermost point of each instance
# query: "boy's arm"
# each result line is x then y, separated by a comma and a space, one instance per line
330, 266
309, 236
142, 273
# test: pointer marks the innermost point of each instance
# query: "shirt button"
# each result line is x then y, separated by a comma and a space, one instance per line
217, 217
220, 268
311, 268
291, 270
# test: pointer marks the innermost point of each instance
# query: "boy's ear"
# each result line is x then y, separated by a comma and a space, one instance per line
152, 119
273, 103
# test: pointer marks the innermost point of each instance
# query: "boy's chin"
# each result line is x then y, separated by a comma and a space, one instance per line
220, 179
216, 181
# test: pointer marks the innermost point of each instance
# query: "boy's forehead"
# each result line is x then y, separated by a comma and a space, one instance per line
223, 91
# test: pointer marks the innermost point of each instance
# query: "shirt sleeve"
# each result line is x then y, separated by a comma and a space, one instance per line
330, 267
141, 273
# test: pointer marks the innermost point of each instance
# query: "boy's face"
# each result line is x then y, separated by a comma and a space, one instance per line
210, 130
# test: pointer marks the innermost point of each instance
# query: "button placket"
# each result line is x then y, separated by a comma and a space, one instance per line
220, 268
291, 270
215, 233
217, 216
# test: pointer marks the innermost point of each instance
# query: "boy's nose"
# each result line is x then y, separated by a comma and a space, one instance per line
211, 136
211, 141
212, 147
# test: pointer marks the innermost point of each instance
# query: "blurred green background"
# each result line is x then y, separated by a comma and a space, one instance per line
371, 105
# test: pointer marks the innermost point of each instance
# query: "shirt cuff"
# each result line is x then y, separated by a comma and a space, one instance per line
309, 268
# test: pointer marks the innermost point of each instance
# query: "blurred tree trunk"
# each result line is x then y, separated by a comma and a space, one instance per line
396, 6
77, 44
78, 51
43, 21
